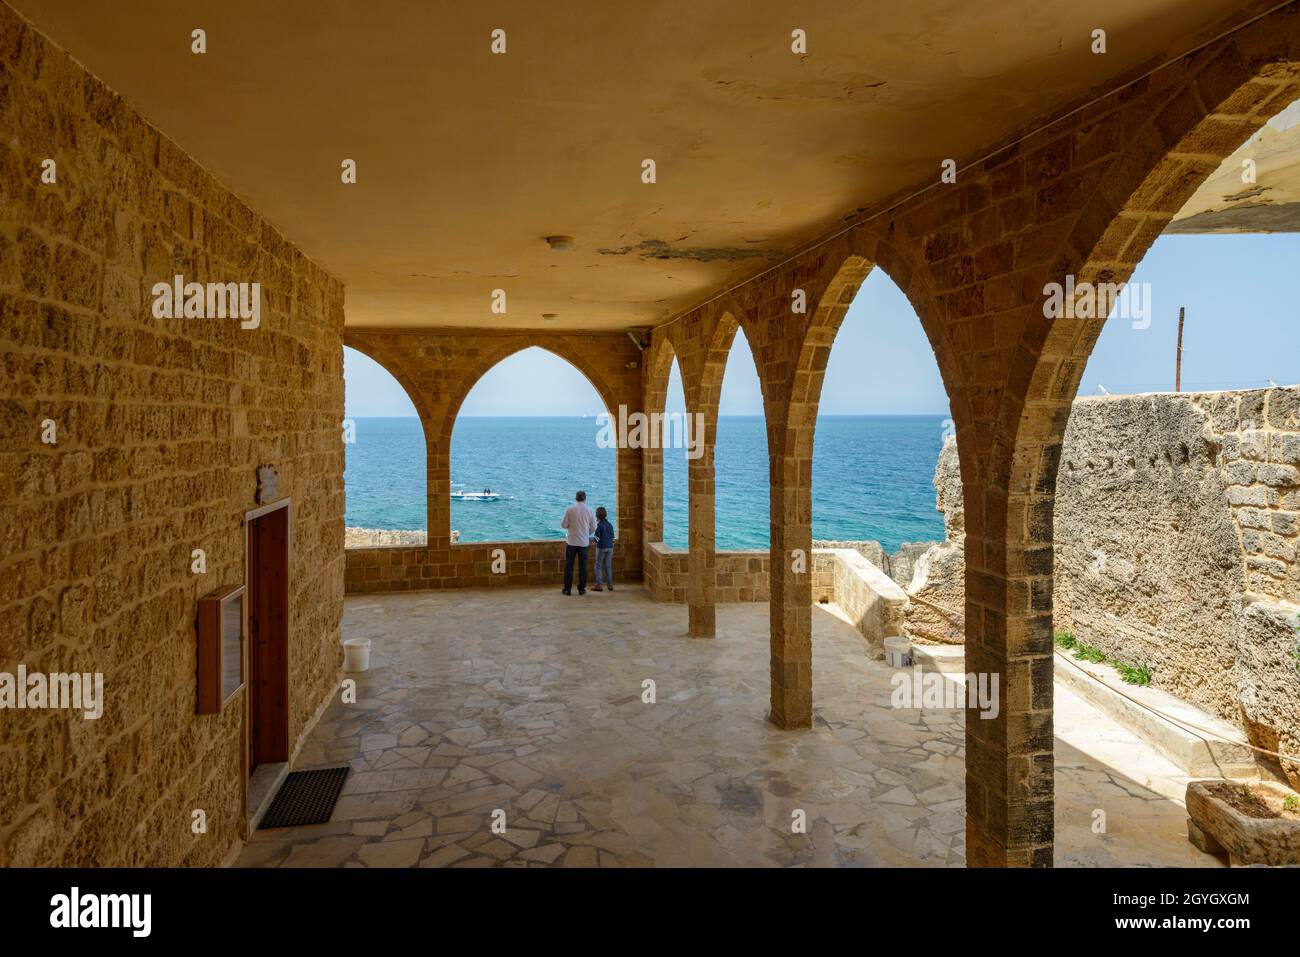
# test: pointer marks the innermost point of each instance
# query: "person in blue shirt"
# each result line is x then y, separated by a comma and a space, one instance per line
604, 551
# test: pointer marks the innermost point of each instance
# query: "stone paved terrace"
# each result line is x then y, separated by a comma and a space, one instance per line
528, 701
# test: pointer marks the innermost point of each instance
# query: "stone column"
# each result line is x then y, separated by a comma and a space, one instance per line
702, 560
791, 585
1009, 757
438, 487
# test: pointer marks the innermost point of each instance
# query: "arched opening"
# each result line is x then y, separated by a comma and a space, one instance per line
1164, 584
525, 440
741, 459
885, 521
881, 424
1182, 588
676, 483
385, 476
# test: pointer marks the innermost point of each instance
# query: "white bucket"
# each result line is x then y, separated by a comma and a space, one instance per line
898, 651
356, 654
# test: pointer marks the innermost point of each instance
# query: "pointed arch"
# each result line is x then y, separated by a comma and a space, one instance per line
494, 356
1180, 135
658, 359
413, 395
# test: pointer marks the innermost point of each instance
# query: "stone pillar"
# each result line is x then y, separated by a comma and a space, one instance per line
702, 560
437, 450
1009, 758
652, 495
791, 587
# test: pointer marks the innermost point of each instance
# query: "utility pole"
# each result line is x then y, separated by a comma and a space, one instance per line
1178, 362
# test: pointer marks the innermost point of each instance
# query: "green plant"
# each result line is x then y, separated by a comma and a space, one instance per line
1291, 803
1134, 674
1091, 653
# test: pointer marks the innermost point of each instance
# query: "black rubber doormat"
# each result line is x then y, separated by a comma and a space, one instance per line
305, 797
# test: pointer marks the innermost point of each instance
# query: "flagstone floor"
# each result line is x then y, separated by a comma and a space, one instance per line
529, 703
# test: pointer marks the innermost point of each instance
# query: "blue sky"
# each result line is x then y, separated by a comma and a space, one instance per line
1242, 329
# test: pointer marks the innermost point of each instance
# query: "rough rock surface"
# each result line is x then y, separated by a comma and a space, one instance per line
1177, 523
370, 537
938, 583
1176, 540
902, 563
1148, 566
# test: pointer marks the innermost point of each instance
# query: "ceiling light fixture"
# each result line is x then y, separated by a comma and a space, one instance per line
560, 243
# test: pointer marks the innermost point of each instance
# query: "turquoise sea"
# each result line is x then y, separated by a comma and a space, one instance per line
872, 477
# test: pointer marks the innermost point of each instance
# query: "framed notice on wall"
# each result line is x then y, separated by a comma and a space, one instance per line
220, 647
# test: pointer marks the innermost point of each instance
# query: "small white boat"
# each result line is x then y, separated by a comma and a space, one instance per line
487, 495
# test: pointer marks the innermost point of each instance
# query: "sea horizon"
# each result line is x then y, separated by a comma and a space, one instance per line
872, 477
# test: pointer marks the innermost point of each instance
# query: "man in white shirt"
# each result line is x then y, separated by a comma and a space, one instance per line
580, 524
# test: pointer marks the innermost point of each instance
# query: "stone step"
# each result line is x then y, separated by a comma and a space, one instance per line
1197, 754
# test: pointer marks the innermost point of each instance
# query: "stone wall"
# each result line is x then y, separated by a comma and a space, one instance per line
160, 426
389, 568
742, 575
868, 597
1176, 535
1175, 547
1261, 443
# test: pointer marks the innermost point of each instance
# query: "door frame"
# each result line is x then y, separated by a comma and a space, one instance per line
246, 724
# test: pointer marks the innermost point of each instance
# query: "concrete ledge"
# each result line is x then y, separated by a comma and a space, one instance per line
1198, 755
949, 659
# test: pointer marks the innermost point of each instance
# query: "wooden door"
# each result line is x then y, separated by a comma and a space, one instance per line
268, 638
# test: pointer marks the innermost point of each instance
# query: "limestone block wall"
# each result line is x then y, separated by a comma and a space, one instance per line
871, 599
387, 568
1260, 435
160, 427
662, 574
742, 575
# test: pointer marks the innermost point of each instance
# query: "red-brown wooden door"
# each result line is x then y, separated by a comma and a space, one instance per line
268, 638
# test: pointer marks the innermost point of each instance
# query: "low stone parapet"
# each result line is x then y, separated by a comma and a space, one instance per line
390, 568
